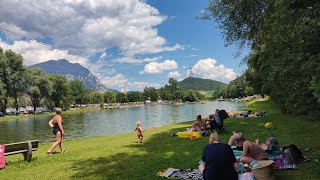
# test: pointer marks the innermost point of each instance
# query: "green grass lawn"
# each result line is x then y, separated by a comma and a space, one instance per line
119, 157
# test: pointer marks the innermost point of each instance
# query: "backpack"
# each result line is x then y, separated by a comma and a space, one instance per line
223, 114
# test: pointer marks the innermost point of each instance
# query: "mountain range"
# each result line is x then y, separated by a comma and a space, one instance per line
73, 71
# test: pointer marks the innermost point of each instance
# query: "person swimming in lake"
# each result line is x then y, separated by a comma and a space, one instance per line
56, 124
139, 131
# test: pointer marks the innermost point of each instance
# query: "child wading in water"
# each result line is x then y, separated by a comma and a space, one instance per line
139, 132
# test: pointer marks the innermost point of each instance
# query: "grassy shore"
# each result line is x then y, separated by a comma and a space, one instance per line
119, 157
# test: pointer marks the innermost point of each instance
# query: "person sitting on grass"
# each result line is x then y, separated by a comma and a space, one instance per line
251, 151
218, 160
271, 146
198, 126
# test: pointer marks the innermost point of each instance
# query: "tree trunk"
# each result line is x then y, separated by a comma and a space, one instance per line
16, 103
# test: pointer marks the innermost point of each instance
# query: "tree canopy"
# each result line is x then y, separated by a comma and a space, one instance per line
284, 38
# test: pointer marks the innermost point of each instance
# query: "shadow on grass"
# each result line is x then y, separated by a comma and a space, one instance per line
159, 152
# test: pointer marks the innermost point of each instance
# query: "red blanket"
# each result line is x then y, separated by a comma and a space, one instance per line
2, 161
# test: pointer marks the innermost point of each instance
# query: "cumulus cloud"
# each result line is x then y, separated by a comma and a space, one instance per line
139, 86
117, 81
208, 69
136, 60
34, 53
155, 67
174, 74
88, 27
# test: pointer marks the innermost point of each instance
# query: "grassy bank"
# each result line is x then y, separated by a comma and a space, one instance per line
119, 157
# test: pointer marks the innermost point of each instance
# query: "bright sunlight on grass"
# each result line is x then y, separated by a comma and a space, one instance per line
120, 157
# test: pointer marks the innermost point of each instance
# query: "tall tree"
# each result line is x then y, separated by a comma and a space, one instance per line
96, 98
77, 91
109, 97
122, 98
284, 37
61, 92
151, 92
135, 97
13, 75
3, 90
191, 96
38, 86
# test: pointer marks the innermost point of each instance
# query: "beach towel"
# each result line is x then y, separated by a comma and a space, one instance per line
194, 174
181, 174
281, 163
246, 176
2, 160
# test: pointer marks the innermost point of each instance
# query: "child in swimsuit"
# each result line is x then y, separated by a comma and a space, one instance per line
139, 132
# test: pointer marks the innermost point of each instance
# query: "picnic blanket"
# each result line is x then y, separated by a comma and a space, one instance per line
181, 174
194, 174
2, 161
281, 163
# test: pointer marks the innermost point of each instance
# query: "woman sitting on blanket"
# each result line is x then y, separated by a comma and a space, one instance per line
251, 151
218, 160
198, 126
271, 146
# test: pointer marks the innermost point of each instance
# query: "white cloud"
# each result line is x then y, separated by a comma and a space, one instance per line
34, 53
207, 68
155, 67
102, 57
139, 86
88, 27
174, 74
136, 60
116, 82
119, 81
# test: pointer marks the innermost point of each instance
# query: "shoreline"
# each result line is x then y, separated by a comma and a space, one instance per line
85, 109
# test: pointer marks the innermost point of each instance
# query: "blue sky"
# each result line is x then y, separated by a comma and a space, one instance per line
126, 43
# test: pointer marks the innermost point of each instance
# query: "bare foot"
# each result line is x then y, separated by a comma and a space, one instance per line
234, 133
257, 140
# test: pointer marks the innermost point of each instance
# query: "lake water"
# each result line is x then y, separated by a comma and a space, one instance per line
102, 122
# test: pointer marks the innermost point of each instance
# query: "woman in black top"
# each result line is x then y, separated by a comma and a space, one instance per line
218, 160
